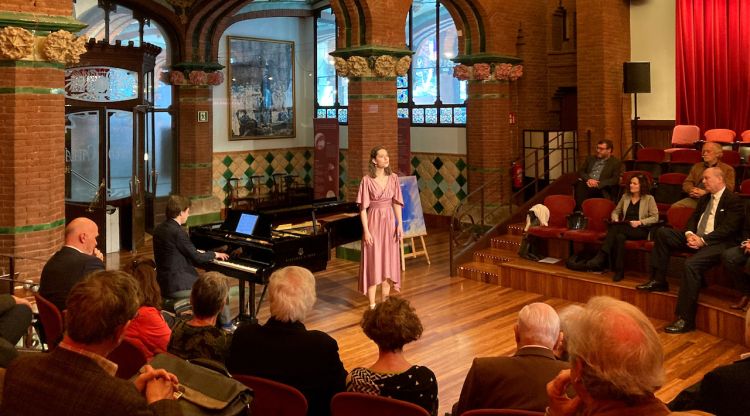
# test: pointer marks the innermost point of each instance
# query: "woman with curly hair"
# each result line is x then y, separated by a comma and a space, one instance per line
391, 325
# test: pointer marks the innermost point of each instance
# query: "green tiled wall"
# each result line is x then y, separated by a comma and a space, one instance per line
441, 177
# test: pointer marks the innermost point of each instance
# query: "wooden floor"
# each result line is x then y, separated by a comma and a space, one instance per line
463, 319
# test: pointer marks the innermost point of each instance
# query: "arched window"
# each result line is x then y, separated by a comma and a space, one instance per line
429, 95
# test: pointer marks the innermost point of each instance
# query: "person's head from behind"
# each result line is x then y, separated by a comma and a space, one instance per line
81, 233
99, 307
208, 295
713, 180
144, 272
178, 207
604, 148
711, 152
291, 293
639, 184
392, 324
538, 324
614, 351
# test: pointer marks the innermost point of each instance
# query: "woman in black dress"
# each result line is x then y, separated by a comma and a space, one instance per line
391, 325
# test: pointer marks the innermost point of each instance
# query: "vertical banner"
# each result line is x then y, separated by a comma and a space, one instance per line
404, 146
326, 163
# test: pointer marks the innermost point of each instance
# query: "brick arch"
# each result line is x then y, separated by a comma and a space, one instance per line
385, 20
166, 18
470, 25
351, 19
206, 19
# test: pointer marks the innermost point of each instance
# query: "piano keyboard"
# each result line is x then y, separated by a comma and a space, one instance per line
235, 266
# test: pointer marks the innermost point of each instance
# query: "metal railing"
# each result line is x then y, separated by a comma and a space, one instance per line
474, 217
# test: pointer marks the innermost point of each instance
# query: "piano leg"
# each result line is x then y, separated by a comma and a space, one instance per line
243, 315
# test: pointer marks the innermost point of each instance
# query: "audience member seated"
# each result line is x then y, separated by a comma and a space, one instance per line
76, 379
391, 325
616, 362
199, 337
633, 215
723, 390
737, 262
148, 327
283, 350
15, 318
693, 184
517, 382
713, 228
78, 257
598, 175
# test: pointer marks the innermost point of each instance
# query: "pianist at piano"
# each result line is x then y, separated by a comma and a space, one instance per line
175, 255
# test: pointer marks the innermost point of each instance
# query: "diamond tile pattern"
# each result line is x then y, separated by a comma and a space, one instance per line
441, 178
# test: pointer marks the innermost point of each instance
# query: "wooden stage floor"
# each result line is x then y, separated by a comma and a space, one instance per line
463, 319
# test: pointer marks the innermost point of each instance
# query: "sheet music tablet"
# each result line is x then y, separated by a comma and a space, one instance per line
246, 224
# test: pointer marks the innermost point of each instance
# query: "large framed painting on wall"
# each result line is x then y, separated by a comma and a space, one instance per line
261, 88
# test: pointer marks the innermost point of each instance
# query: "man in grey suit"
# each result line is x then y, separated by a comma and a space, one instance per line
517, 382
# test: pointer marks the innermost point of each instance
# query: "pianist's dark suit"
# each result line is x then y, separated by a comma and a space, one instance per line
288, 353
62, 271
175, 255
64, 383
723, 391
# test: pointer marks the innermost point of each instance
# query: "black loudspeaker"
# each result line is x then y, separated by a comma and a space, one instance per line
637, 77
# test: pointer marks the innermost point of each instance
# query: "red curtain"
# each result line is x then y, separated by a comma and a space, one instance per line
713, 64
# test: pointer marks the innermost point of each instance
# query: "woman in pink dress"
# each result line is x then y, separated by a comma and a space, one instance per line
380, 204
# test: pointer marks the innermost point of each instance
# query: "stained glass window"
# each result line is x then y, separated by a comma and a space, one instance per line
402, 112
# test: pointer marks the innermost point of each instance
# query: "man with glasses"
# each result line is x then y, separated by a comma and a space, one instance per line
598, 175
693, 184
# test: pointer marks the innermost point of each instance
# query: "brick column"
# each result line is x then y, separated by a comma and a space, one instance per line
603, 38
489, 144
196, 152
372, 107
32, 131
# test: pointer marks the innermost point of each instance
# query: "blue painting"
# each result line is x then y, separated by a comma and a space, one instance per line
412, 215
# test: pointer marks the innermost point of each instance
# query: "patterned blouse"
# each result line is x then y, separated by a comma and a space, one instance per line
417, 385
190, 342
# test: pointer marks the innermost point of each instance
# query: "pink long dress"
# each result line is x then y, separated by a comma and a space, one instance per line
381, 260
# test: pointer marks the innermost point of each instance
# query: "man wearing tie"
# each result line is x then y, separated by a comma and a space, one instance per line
713, 228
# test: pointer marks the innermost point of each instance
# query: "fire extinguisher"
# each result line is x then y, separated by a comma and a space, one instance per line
516, 173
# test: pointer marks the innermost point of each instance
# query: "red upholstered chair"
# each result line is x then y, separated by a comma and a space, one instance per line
560, 206
597, 211
650, 159
731, 158
52, 321
723, 136
360, 404
744, 138
684, 136
500, 412
274, 398
682, 160
677, 218
129, 357
669, 190
745, 187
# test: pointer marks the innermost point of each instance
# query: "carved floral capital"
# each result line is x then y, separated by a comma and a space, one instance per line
488, 72
16, 43
382, 66
194, 77
63, 47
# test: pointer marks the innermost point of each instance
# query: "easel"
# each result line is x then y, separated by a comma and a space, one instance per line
414, 253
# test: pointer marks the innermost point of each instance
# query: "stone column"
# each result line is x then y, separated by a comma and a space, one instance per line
372, 106
33, 55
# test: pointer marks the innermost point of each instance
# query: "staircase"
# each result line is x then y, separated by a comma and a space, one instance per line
485, 266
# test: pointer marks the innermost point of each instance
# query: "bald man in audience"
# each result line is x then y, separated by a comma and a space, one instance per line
693, 184
616, 360
714, 227
78, 257
76, 378
519, 381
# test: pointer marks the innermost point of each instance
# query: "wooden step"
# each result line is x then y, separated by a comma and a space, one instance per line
516, 229
507, 242
495, 256
481, 272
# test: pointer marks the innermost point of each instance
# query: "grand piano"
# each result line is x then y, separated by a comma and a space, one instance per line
260, 242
